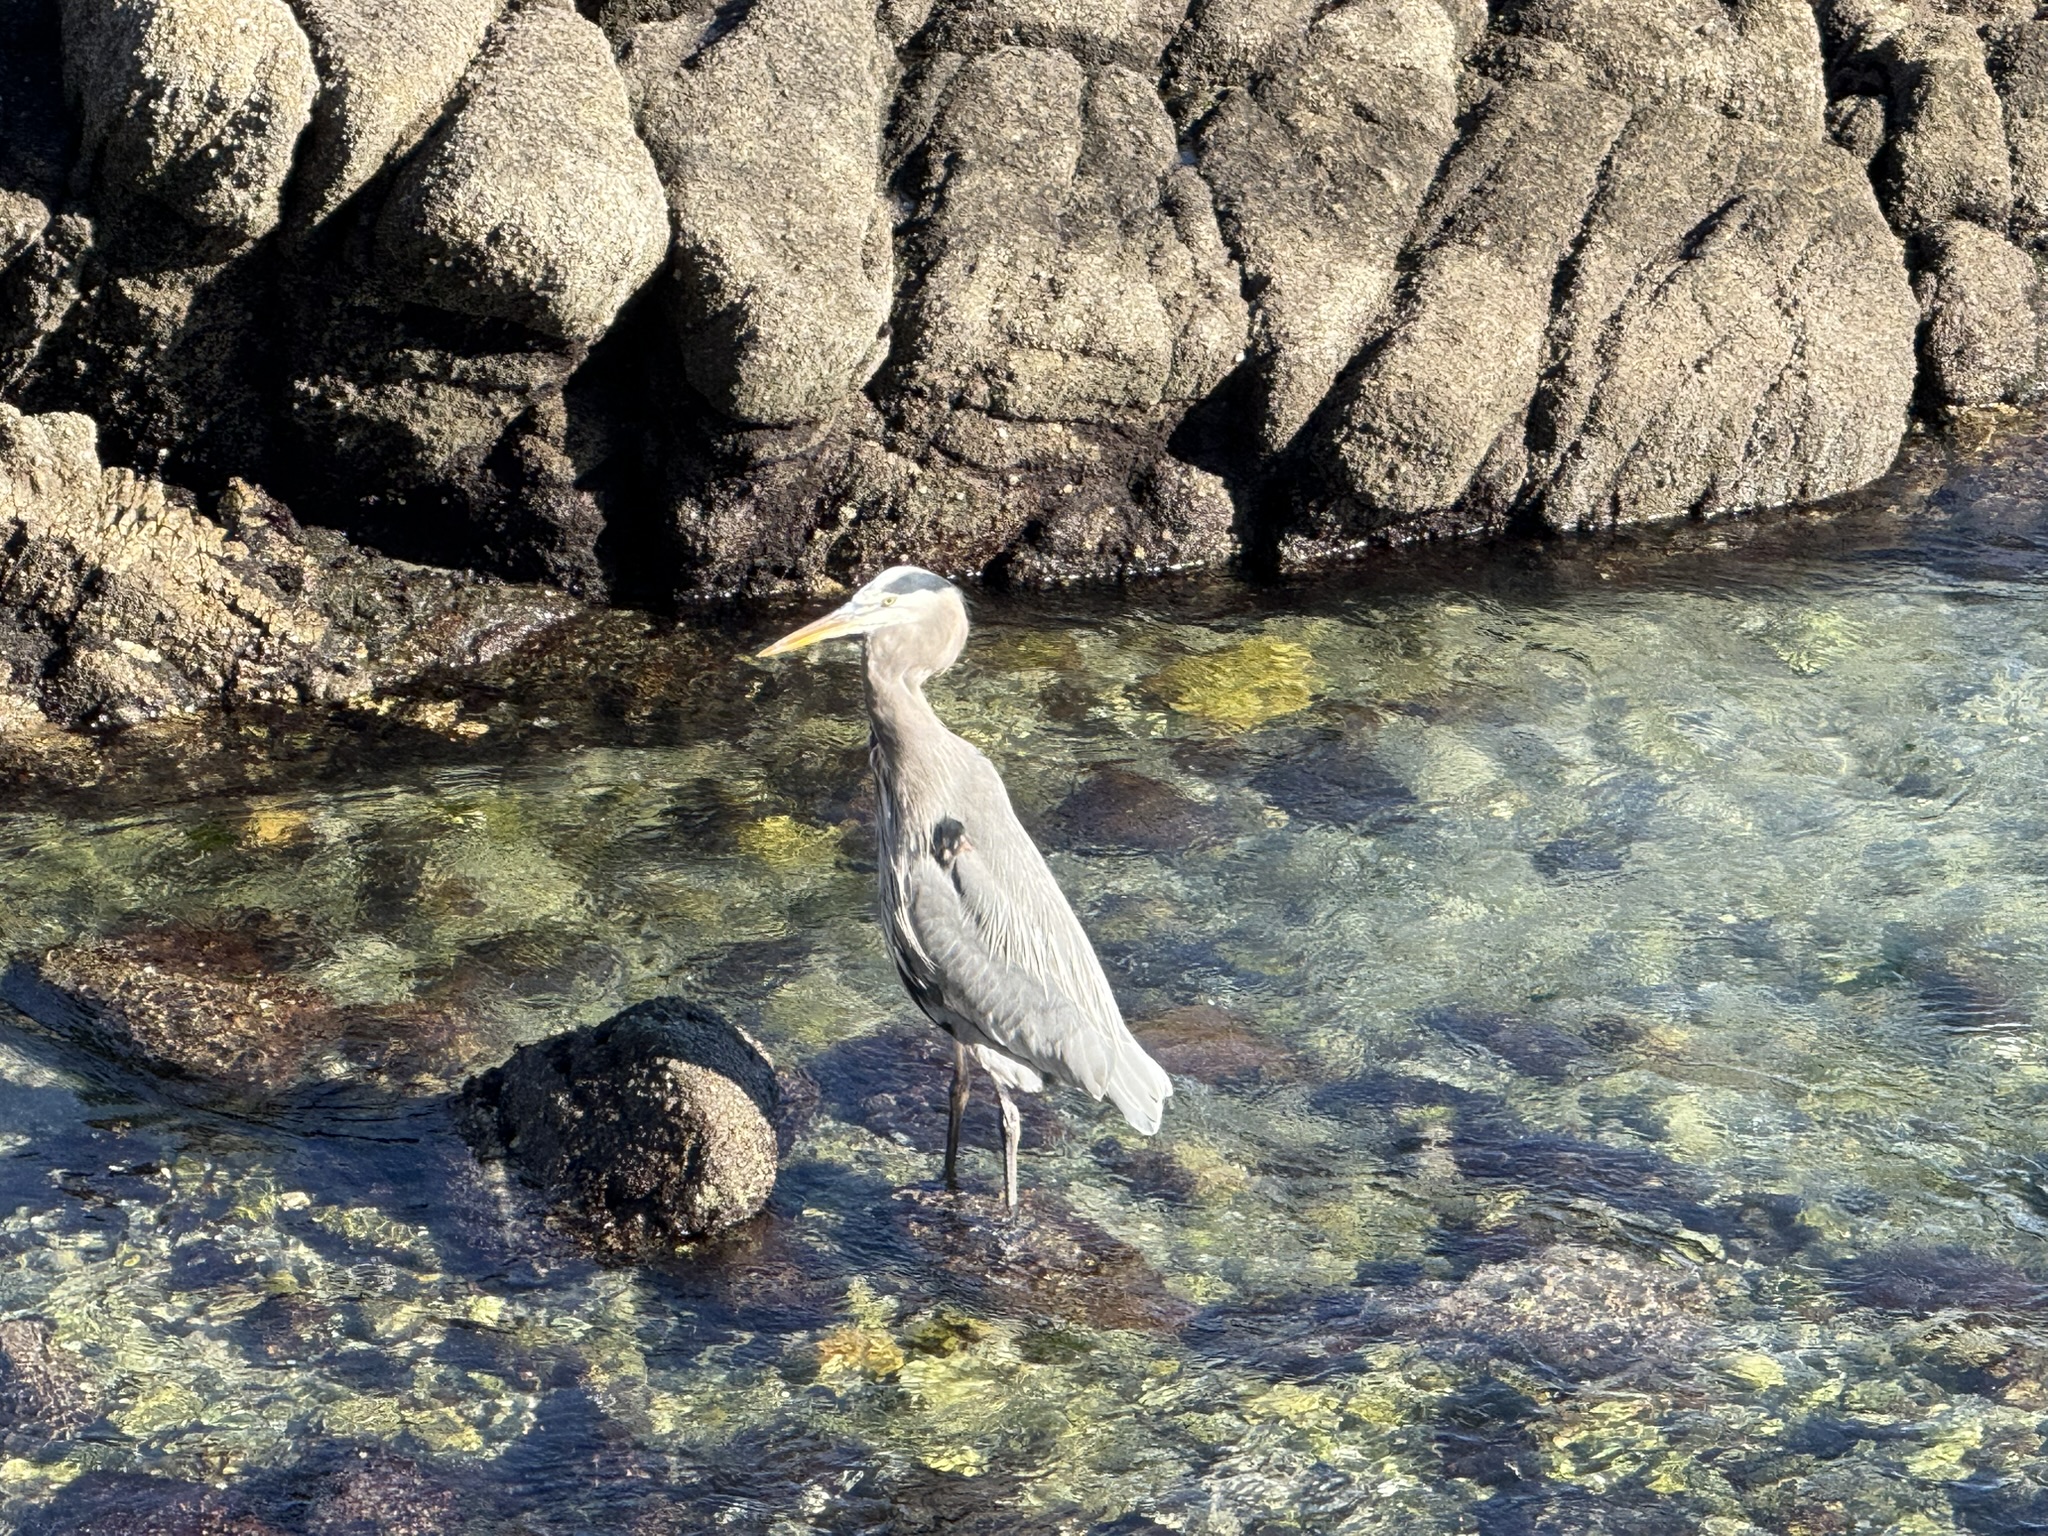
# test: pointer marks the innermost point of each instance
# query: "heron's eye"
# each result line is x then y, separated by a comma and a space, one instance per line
888, 602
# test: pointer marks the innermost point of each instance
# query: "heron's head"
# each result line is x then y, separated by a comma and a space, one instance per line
906, 612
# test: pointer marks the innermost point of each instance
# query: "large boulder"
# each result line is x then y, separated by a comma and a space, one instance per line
768, 139
1637, 290
1757, 61
535, 202
1946, 157
1454, 373
2017, 58
645, 1131
1949, 109
1070, 265
386, 69
1735, 333
194, 107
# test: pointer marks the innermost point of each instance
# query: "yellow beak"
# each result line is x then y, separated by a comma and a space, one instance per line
836, 623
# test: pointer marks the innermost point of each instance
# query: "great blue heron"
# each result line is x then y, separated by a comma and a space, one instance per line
982, 936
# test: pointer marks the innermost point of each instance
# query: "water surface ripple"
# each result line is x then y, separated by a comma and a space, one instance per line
1602, 979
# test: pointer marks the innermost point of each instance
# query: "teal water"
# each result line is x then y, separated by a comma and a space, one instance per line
1603, 981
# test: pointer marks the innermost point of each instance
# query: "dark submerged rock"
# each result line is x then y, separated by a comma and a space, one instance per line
1530, 1046
1335, 783
897, 1082
1114, 810
133, 1504
1214, 1046
1564, 857
44, 1392
648, 1130
1921, 1281
1046, 1261
219, 1006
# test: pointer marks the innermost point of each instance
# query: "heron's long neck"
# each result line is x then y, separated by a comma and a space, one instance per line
903, 719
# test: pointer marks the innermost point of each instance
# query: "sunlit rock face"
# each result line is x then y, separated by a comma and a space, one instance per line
678, 299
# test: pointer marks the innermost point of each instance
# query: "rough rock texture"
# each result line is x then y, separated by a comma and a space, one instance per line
663, 299
535, 204
1070, 265
220, 1008
1645, 286
652, 1128
1982, 297
1951, 107
2017, 57
44, 1390
119, 602
386, 67
1946, 156
783, 254
194, 106
1320, 129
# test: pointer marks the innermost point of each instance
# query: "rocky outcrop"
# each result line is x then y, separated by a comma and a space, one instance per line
645, 1131
191, 107
387, 68
678, 299
1948, 107
1321, 129
1984, 302
1645, 286
120, 602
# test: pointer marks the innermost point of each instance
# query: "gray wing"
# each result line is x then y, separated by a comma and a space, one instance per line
1010, 957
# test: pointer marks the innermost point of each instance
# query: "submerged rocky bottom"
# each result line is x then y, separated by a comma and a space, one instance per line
1601, 980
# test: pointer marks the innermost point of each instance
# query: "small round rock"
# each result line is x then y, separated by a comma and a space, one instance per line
648, 1130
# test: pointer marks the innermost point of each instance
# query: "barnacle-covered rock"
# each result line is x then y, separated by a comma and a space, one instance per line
652, 1128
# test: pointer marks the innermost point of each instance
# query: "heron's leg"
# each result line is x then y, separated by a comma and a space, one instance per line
954, 1112
1013, 1127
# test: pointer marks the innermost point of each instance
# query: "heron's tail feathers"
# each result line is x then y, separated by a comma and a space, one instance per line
1139, 1087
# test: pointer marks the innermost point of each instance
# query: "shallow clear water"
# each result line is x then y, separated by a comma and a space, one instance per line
1603, 981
